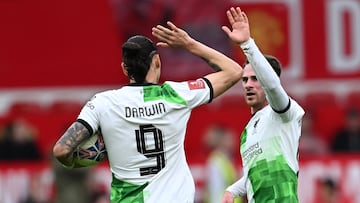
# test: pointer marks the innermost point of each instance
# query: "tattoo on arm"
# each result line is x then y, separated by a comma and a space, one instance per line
212, 65
74, 135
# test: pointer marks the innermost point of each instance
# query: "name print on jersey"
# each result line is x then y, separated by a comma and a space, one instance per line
145, 111
252, 151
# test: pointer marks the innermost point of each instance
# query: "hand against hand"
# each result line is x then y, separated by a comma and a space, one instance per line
171, 37
240, 26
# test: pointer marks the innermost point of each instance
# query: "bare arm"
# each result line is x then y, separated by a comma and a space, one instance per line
228, 71
65, 146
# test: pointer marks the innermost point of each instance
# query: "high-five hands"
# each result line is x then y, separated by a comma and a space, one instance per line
171, 37
240, 30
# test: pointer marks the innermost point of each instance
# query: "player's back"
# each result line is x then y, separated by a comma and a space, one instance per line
144, 130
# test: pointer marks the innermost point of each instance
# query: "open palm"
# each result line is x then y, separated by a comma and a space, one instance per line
240, 30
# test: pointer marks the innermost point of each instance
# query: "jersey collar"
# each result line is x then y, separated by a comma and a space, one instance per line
140, 84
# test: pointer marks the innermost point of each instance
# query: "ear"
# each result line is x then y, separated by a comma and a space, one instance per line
157, 61
124, 69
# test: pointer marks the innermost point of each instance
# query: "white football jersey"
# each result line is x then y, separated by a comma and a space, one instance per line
144, 129
269, 151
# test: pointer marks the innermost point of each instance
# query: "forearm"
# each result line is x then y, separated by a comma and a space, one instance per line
67, 160
65, 146
276, 95
216, 60
228, 71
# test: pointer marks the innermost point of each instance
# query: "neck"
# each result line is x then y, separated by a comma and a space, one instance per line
152, 75
257, 108
145, 82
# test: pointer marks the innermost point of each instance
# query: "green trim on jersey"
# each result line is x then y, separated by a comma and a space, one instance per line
124, 192
273, 181
155, 92
243, 137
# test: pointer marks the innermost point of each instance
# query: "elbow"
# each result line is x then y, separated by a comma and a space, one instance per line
232, 76
60, 151
237, 74
272, 86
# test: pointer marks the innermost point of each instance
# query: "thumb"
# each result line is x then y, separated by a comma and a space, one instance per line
162, 44
226, 30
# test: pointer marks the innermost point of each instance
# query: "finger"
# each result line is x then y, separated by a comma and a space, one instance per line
238, 11
162, 44
158, 34
245, 17
235, 14
172, 26
166, 32
230, 17
226, 30
161, 33
163, 29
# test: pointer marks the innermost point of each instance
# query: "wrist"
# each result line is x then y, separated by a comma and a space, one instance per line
246, 45
191, 44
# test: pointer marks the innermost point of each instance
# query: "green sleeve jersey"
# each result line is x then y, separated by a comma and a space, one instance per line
144, 128
269, 151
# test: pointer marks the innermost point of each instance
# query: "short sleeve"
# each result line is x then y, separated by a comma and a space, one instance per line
194, 92
90, 113
293, 112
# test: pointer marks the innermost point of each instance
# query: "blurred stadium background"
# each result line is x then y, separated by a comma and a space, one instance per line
54, 55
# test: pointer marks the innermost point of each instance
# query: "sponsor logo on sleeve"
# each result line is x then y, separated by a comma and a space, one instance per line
196, 84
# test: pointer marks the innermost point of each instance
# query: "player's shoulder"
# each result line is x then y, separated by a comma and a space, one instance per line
295, 105
105, 95
292, 112
199, 83
111, 92
172, 83
101, 95
295, 111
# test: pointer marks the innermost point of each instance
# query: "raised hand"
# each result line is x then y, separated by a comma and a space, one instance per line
240, 30
171, 37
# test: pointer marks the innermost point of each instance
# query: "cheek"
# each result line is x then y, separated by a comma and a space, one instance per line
260, 92
258, 86
263, 97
